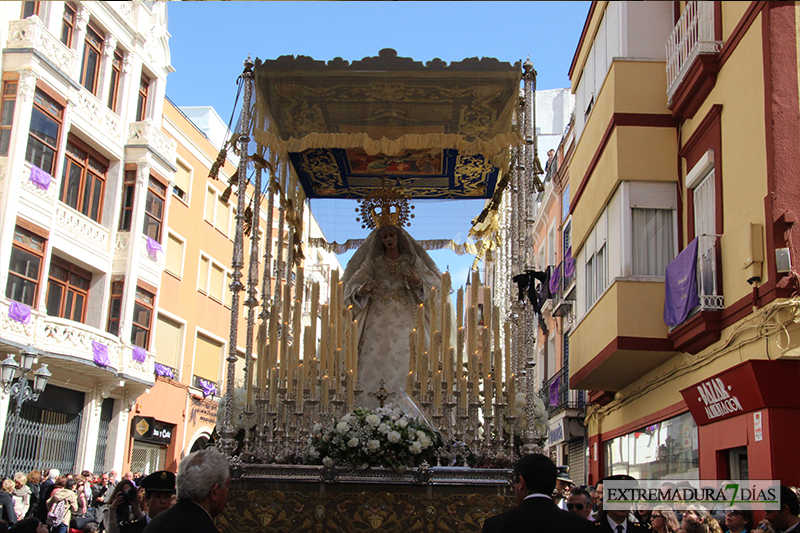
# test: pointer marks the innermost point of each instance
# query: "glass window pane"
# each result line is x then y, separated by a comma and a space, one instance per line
97, 195
8, 113
141, 315
54, 293
77, 310
72, 184
5, 139
20, 290
24, 263
44, 127
40, 155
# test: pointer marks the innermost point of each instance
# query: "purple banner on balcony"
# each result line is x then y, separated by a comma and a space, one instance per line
569, 264
681, 286
139, 354
555, 280
163, 371
208, 388
153, 247
19, 312
100, 352
41, 178
554, 386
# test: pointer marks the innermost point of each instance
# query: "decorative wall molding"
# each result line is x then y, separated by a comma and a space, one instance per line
81, 227
31, 33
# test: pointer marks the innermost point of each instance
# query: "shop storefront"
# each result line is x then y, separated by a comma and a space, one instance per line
664, 450
749, 421
151, 441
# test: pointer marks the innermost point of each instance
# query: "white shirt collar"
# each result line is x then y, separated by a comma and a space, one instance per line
539, 495
614, 525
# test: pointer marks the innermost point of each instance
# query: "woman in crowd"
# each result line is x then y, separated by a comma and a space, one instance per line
64, 491
34, 484
663, 519
124, 505
700, 515
738, 520
22, 495
7, 503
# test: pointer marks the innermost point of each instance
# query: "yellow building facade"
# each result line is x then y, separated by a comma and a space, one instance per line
683, 170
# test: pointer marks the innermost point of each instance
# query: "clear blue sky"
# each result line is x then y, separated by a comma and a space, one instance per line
210, 40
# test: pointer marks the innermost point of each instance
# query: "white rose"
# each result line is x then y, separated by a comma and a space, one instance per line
352, 442
403, 422
420, 434
373, 420
394, 437
374, 445
383, 428
317, 427
415, 448
347, 418
342, 427
327, 461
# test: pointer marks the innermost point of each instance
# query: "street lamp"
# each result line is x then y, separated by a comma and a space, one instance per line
20, 391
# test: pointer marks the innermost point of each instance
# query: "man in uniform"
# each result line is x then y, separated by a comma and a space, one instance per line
534, 481
158, 490
563, 485
617, 520
203, 480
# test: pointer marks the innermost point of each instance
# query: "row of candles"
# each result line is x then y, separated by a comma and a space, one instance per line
442, 369
442, 362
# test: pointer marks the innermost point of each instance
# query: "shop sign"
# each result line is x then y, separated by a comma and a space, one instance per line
557, 433
203, 412
744, 388
148, 429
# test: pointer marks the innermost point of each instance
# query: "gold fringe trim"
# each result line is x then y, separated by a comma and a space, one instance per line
466, 248
495, 150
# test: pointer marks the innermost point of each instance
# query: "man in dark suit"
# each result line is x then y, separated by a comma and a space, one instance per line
534, 481
617, 520
159, 487
203, 480
45, 491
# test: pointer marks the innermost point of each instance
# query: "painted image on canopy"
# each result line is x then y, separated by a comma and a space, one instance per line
410, 162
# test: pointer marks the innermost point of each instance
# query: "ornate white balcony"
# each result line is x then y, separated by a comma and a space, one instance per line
691, 37
82, 229
31, 33
98, 115
145, 134
73, 339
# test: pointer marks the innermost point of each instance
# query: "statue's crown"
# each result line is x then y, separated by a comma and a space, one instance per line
386, 206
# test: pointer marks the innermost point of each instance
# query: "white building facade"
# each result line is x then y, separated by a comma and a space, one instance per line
86, 178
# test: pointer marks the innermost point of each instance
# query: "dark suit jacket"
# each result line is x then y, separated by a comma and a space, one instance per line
536, 515
7, 511
183, 517
45, 491
602, 526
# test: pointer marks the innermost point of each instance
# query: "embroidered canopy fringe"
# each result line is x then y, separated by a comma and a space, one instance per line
495, 150
466, 248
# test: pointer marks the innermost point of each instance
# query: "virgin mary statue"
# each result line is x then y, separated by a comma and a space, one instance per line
385, 281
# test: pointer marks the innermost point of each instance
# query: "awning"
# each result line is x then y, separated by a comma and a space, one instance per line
439, 130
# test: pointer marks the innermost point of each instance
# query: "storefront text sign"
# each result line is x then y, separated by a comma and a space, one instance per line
148, 429
747, 387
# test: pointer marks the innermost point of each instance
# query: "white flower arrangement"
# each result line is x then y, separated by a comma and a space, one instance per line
540, 419
363, 438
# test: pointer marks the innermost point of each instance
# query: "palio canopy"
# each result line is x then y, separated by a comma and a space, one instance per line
439, 130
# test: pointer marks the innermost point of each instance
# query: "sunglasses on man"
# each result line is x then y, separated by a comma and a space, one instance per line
578, 506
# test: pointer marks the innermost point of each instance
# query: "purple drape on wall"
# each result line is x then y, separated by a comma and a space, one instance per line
100, 352
19, 312
681, 286
41, 178
554, 386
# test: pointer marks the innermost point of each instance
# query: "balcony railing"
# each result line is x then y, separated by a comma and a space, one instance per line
30, 33
707, 289
692, 35
146, 134
562, 285
557, 395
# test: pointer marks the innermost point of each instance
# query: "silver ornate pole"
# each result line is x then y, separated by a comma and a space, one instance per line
227, 443
529, 184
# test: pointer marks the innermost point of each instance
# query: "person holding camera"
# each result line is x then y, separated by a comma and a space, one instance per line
159, 487
123, 507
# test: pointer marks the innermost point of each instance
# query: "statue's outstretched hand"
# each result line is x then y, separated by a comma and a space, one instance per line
411, 277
